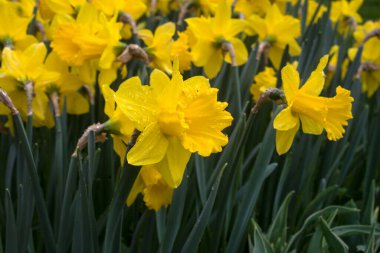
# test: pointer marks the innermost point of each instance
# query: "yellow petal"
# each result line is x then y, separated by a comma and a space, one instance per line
150, 147
310, 126
77, 104
107, 76
109, 98
290, 81
174, 163
136, 102
138, 187
285, 120
284, 139
241, 52
316, 81
214, 63
222, 17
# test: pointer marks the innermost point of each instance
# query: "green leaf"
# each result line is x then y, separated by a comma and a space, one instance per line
336, 245
46, 229
261, 242
174, 217
196, 233
11, 229
277, 230
254, 185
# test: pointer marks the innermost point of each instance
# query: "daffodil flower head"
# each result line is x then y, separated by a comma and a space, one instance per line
176, 118
346, 12
263, 81
307, 108
13, 27
22, 68
158, 45
370, 66
157, 193
211, 34
180, 50
91, 36
67, 86
278, 31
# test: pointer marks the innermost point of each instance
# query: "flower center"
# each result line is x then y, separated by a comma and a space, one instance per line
172, 123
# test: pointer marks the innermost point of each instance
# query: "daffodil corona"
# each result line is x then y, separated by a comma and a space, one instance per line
306, 108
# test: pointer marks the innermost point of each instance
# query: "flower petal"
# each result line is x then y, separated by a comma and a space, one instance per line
310, 126
316, 81
150, 147
173, 166
285, 120
290, 81
284, 139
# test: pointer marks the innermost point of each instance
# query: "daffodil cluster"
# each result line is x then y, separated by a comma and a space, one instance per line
71, 54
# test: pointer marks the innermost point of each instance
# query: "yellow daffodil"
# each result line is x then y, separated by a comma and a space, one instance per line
362, 30
88, 37
180, 50
133, 8
263, 81
346, 12
304, 105
175, 118
26, 68
277, 31
159, 45
67, 86
13, 26
157, 193
311, 9
370, 65
212, 35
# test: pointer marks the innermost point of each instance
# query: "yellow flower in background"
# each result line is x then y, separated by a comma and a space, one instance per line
370, 65
135, 8
61, 6
159, 45
346, 12
258, 7
175, 118
88, 37
13, 27
362, 30
180, 50
263, 81
67, 86
20, 68
277, 30
304, 105
311, 9
211, 34
157, 193
27, 66
118, 124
